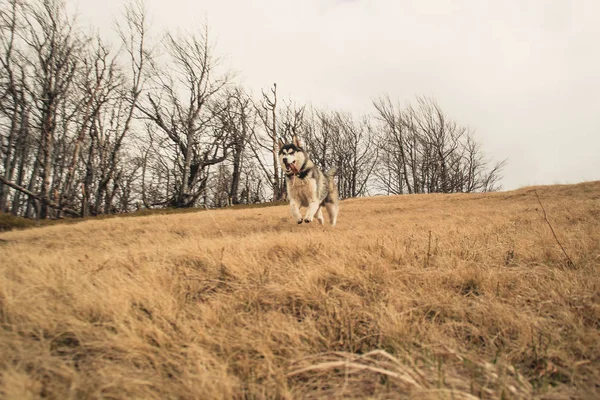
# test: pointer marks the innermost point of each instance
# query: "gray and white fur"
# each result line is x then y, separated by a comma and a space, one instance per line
307, 185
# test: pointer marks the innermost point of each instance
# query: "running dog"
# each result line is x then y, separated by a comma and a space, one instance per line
307, 185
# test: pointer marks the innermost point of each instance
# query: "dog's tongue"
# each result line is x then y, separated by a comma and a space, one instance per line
294, 168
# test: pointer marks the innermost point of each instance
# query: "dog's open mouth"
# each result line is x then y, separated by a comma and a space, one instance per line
290, 167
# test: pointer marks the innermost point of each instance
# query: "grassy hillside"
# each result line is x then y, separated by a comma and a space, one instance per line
422, 296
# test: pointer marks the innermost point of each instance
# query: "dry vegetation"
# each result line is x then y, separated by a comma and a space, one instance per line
422, 296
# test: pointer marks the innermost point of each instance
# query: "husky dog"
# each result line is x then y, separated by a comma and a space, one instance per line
307, 186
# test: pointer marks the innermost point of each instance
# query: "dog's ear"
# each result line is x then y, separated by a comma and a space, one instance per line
280, 142
296, 141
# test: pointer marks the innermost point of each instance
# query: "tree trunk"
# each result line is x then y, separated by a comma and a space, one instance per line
236, 175
47, 153
184, 194
24, 152
9, 162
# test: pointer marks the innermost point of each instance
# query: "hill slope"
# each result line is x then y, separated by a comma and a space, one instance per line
421, 296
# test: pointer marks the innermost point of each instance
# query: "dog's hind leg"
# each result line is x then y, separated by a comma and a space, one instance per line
332, 209
295, 209
320, 215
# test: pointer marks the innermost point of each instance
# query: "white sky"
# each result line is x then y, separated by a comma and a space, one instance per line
524, 75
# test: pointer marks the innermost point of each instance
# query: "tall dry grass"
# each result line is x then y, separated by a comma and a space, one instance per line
422, 296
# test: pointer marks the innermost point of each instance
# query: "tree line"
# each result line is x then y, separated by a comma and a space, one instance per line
89, 127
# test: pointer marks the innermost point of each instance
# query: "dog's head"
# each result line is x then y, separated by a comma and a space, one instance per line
291, 156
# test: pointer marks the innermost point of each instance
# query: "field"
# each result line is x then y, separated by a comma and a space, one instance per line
422, 296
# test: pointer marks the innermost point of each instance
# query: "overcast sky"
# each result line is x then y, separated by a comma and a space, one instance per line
524, 75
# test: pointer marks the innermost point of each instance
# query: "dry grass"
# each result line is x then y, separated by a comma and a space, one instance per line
424, 296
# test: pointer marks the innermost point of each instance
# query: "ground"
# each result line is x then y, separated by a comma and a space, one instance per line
416, 296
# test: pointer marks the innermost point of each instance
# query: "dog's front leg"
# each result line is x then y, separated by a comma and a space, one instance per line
295, 209
313, 205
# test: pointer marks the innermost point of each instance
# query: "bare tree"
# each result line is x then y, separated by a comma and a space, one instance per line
11, 104
42, 51
355, 154
114, 116
291, 121
423, 151
393, 143
133, 36
59, 87
267, 112
337, 139
178, 105
320, 131
237, 118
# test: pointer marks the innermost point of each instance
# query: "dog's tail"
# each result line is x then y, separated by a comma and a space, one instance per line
331, 173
